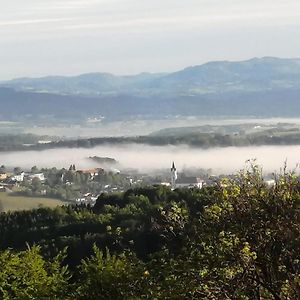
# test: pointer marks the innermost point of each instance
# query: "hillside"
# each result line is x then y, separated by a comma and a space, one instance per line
236, 240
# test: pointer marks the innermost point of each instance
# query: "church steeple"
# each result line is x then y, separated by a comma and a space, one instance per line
173, 167
173, 176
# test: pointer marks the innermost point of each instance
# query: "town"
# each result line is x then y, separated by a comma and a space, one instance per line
84, 186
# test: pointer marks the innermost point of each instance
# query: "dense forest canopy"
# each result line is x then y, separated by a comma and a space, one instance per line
237, 240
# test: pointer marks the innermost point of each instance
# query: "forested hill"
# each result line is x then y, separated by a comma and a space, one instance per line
258, 87
43, 106
237, 240
179, 136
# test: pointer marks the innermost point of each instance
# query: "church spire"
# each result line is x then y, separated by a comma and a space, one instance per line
173, 176
173, 167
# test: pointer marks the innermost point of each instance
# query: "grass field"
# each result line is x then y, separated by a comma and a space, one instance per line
12, 203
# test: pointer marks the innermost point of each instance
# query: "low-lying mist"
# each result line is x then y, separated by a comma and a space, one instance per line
147, 158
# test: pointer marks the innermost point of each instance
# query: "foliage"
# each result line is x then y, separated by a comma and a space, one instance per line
238, 240
26, 275
106, 276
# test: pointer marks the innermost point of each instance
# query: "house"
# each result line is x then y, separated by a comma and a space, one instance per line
190, 182
18, 177
270, 182
40, 176
3, 176
91, 172
87, 198
165, 183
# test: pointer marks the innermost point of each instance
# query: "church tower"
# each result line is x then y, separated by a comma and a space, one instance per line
173, 176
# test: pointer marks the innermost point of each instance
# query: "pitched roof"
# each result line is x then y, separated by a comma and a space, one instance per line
90, 171
189, 180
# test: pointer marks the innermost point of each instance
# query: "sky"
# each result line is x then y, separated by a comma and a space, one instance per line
69, 37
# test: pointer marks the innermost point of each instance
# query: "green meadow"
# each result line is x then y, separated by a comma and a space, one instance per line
12, 203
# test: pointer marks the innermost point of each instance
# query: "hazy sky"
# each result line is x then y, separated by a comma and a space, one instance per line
41, 37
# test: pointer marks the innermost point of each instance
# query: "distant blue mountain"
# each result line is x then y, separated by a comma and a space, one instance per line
257, 74
257, 87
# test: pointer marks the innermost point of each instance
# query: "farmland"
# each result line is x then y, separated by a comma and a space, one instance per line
12, 203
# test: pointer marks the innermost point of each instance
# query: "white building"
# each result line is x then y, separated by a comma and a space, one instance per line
18, 177
270, 182
190, 182
40, 176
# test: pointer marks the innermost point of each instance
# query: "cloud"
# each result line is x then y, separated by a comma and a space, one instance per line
131, 14
185, 21
33, 21
71, 5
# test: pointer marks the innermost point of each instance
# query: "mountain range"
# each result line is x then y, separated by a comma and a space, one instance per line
257, 87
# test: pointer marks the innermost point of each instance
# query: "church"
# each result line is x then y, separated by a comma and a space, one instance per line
184, 181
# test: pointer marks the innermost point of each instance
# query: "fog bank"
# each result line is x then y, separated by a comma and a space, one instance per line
148, 158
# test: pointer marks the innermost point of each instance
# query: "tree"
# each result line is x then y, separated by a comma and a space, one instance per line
250, 239
17, 170
107, 276
34, 169
26, 275
36, 184
237, 240
1, 206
